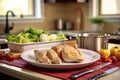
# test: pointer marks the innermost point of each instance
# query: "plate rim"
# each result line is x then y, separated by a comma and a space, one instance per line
60, 65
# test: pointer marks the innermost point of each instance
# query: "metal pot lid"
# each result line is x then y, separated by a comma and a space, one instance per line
93, 34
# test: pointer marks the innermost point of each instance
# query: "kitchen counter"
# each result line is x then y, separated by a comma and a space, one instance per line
24, 74
72, 32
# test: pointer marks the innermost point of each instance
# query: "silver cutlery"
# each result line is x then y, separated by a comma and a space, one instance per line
109, 71
76, 75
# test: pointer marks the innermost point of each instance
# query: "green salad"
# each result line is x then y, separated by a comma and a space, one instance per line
33, 35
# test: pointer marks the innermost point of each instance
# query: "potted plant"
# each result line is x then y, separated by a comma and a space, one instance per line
97, 23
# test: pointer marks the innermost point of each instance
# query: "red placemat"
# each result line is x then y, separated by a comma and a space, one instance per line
59, 74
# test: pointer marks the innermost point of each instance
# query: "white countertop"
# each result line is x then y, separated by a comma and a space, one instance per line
24, 74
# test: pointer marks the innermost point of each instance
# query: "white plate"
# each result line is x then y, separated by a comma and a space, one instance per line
90, 57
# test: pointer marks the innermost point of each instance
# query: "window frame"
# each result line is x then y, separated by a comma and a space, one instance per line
94, 9
39, 14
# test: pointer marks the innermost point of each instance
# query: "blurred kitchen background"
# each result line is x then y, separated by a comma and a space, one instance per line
69, 11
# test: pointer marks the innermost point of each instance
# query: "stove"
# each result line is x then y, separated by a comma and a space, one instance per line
115, 42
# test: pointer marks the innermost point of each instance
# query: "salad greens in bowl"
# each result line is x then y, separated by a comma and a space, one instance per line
33, 35
32, 39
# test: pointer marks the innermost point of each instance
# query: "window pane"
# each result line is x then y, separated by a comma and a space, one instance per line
109, 7
24, 7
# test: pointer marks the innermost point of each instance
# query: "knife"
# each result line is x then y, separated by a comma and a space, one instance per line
76, 75
104, 73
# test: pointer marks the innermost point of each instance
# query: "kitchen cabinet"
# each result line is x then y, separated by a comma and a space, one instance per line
64, 1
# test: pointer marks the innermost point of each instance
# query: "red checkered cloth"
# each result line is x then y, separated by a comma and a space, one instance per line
60, 74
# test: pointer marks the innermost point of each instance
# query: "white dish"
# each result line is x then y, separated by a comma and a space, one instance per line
90, 57
33, 43
19, 47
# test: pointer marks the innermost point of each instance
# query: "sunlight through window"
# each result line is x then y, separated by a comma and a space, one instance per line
23, 9
109, 7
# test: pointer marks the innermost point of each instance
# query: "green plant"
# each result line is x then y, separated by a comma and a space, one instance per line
97, 20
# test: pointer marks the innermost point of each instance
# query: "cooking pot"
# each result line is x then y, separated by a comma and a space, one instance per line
92, 41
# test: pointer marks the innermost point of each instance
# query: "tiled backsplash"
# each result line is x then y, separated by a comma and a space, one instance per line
59, 10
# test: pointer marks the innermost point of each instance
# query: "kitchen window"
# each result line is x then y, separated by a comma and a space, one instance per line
25, 10
108, 9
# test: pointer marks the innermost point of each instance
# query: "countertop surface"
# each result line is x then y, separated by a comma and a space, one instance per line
24, 74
